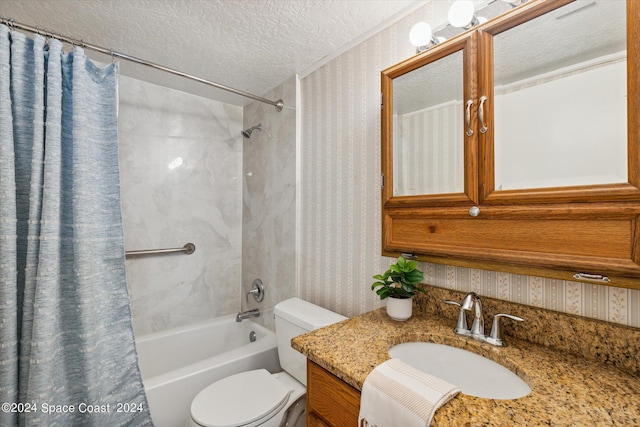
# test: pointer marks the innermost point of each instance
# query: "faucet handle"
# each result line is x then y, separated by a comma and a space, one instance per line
461, 327
469, 300
257, 290
495, 337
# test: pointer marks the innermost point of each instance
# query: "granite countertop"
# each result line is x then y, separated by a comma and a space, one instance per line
566, 389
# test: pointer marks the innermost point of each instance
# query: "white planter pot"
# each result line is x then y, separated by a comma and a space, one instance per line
399, 308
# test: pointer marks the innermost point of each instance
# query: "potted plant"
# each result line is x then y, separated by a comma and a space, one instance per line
398, 284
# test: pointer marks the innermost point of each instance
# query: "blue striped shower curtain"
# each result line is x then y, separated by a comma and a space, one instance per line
67, 353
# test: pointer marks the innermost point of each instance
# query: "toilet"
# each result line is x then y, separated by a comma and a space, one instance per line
257, 397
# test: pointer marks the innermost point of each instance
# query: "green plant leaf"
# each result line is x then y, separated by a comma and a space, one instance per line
384, 284
399, 280
383, 293
401, 262
411, 265
415, 276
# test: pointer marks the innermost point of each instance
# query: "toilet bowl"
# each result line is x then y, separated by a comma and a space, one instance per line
252, 398
258, 397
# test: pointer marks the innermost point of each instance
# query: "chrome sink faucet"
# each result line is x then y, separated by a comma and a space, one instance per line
472, 301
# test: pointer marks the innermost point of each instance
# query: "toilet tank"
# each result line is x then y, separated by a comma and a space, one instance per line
295, 317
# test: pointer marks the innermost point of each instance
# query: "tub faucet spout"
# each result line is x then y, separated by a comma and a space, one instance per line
247, 314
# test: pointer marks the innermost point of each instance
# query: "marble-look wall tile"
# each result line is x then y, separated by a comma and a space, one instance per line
339, 197
269, 201
181, 168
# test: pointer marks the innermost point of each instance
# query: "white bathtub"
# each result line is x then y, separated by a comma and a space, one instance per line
178, 363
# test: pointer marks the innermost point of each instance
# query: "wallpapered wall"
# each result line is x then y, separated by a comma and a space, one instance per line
339, 224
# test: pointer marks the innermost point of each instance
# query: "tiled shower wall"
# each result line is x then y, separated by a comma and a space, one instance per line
269, 201
339, 195
181, 181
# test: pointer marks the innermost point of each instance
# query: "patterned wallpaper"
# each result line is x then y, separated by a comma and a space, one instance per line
429, 168
338, 221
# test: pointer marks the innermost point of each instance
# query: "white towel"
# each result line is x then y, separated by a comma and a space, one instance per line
396, 394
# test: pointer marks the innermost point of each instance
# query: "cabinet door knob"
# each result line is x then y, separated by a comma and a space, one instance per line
474, 211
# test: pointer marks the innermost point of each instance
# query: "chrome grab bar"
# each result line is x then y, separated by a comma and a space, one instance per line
188, 249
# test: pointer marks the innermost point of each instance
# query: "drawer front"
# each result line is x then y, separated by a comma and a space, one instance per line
557, 247
330, 401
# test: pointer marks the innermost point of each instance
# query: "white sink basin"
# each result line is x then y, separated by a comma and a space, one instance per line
474, 374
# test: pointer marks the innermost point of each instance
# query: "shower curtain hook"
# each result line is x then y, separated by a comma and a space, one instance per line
113, 56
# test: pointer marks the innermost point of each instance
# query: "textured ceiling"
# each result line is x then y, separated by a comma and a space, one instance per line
250, 45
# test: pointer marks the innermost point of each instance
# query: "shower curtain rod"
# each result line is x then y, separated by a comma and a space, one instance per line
13, 24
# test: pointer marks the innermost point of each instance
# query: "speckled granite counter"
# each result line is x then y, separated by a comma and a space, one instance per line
566, 389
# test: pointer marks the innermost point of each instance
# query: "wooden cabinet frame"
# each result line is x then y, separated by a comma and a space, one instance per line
550, 232
467, 44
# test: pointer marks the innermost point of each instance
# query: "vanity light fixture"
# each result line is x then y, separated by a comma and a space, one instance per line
462, 15
421, 36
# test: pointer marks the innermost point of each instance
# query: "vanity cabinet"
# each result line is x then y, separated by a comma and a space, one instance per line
499, 151
330, 401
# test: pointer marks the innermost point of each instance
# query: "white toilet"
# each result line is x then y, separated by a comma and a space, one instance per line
258, 398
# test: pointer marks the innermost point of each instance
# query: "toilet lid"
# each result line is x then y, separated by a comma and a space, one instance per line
239, 399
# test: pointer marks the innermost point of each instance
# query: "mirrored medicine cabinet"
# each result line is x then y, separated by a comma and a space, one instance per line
514, 145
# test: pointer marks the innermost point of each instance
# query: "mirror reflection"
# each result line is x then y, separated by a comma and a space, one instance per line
560, 98
428, 154
559, 107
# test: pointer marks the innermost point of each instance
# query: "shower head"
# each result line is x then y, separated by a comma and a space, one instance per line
247, 132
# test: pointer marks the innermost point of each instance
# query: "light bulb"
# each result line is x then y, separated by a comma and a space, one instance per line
461, 14
420, 34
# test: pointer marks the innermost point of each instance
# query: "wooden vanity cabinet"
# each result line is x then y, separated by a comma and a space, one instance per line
330, 401
558, 231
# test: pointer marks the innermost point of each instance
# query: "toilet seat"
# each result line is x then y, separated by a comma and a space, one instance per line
240, 400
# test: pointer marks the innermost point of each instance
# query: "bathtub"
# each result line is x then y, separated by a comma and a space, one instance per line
178, 363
